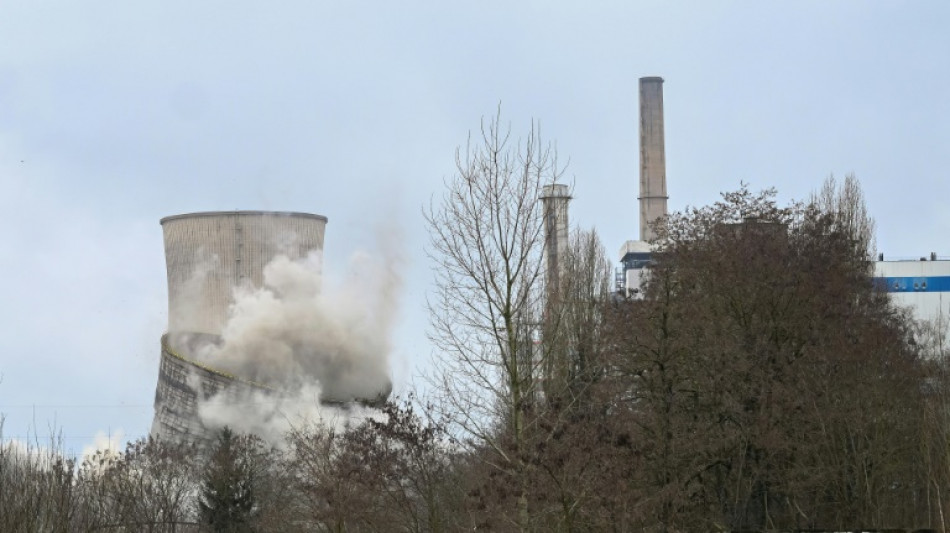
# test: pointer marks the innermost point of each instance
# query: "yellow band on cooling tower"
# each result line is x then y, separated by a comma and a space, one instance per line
207, 368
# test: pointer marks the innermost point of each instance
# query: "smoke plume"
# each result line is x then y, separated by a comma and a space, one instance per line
272, 415
318, 344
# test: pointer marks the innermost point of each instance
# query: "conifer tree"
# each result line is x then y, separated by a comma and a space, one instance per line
227, 501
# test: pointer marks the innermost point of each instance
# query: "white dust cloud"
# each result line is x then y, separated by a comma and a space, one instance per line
272, 415
318, 344
105, 448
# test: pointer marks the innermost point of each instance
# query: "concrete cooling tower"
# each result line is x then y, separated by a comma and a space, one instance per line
208, 255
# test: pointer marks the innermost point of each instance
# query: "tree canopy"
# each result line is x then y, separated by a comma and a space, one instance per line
764, 382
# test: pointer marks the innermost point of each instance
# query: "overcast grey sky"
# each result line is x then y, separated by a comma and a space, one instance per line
114, 114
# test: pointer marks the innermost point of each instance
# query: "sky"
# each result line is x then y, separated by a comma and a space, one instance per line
114, 114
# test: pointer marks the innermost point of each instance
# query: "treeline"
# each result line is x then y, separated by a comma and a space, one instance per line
759, 382
389, 475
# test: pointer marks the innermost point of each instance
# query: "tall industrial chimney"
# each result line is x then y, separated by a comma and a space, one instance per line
555, 199
652, 156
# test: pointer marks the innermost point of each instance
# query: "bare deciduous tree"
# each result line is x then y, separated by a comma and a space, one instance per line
848, 210
486, 243
395, 473
574, 320
149, 487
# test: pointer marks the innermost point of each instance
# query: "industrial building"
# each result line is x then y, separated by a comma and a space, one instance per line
208, 256
922, 285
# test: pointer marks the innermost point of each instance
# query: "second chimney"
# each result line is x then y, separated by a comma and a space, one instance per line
652, 156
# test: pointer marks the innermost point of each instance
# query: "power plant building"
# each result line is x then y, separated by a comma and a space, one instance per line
922, 285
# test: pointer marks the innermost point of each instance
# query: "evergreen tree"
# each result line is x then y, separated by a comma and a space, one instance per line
227, 502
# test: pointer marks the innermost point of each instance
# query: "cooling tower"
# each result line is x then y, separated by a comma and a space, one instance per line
207, 256
653, 195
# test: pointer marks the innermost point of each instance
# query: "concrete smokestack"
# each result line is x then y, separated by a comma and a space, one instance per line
555, 199
653, 195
